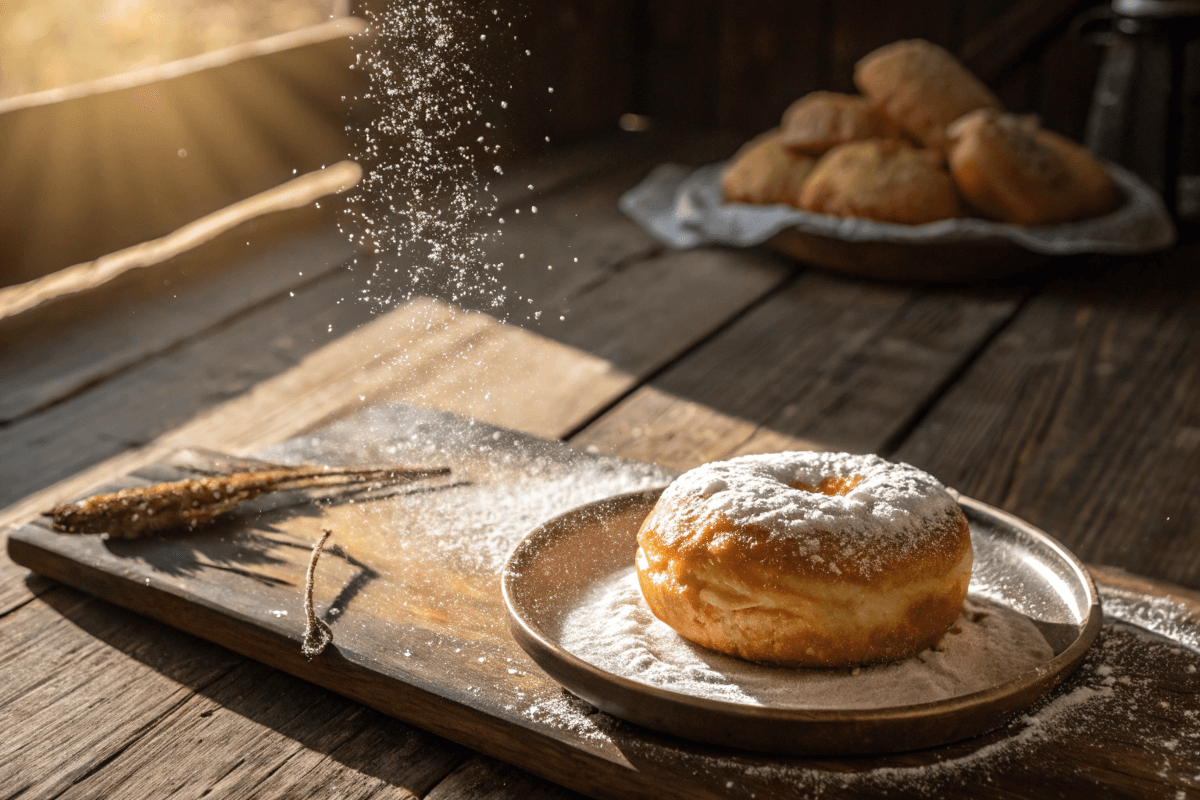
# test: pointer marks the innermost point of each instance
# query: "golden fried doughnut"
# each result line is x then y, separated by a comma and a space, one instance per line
764, 171
922, 87
1013, 171
883, 179
821, 120
806, 559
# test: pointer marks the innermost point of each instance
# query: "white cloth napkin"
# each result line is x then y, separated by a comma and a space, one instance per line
683, 208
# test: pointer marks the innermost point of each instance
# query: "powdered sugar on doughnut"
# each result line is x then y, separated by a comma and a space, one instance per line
892, 503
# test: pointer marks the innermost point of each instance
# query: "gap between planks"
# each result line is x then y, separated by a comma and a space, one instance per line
1083, 417
217, 282
427, 353
149, 697
825, 363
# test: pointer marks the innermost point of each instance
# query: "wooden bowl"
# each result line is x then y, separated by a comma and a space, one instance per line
949, 262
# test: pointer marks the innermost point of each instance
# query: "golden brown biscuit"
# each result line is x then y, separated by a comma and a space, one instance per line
922, 87
881, 179
806, 559
1012, 171
1097, 193
764, 171
821, 120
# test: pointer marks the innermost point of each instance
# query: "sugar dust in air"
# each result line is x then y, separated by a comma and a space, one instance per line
431, 134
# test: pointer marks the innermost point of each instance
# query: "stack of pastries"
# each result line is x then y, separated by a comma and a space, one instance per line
925, 141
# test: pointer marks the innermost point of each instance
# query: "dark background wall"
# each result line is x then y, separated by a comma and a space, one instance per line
104, 170
736, 64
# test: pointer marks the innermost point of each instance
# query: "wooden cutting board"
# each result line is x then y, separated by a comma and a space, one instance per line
410, 588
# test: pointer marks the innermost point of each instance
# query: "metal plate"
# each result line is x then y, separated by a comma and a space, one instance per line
1015, 564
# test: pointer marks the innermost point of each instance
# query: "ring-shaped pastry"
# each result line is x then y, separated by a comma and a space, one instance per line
806, 559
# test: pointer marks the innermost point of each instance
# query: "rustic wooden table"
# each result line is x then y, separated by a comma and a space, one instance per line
1070, 398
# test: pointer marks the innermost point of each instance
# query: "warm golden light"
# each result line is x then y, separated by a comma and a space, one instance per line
164, 129
48, 44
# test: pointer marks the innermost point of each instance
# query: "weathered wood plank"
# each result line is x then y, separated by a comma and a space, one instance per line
767, 58
60, 352
444, 642
142, 403
512, 711
1084, 417
699, 291
994, 50
80, 681
678, 298
59, 349
652, 310
78, 665
827, 363
258, 732
56, 350
483, 778
529, 383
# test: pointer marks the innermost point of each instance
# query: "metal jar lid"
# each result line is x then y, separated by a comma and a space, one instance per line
1157, 9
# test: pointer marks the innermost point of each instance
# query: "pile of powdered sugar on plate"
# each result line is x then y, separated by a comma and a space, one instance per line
613, 629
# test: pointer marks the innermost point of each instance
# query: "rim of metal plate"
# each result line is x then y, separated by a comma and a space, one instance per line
560, 559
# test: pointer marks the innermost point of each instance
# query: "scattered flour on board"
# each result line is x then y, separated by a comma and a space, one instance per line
1110, 691
565, 712
503, 515
477, 523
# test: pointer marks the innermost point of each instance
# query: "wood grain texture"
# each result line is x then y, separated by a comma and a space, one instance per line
113, 678
1008, 40
445, 662
85, 666
576, 222
679, 49
827, 363
66, 345
429, 340
1084, 418
141, 403
424, 353
257, 732
769, 55
483, 778
698, 291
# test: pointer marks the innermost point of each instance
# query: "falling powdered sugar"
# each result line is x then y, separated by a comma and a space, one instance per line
615, 630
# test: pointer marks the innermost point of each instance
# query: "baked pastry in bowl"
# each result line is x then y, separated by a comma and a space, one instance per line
884, 179
821, 120
922, 87
765, 171
1012, 170
806, 559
